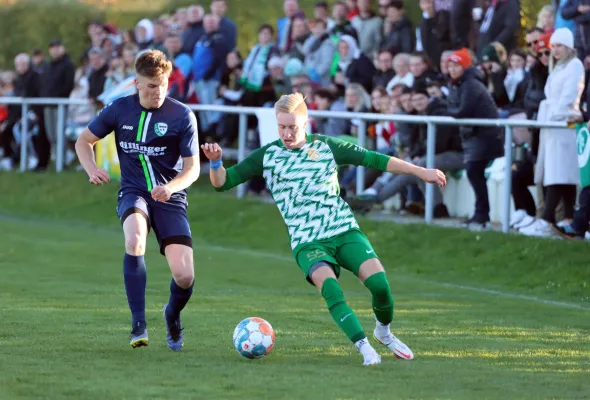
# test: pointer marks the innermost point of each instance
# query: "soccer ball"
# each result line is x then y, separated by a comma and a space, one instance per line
254, 337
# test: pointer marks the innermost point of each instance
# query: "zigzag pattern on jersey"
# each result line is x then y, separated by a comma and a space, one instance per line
306, 192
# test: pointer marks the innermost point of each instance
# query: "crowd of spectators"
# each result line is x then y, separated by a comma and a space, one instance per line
461, 59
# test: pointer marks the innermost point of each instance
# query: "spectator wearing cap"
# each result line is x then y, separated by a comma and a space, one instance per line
536, 80
557, 163
500, 24
285, 24
433, 35
56, 81
319, 51
369, 27
97, 77
194, 29
579, 12
322, 11
468, 98
493, 67
353, 66
385, 72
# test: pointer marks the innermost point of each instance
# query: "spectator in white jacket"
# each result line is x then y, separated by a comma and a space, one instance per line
557, 161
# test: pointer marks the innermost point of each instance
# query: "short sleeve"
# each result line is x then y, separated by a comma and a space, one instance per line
105, 122
189, 142
346, 153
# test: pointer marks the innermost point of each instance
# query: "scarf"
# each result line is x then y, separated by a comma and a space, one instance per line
513, 78
255, 71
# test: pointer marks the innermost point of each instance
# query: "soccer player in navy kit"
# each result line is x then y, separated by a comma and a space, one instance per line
158, 150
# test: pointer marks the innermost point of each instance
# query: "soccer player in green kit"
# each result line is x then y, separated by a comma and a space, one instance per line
301, 173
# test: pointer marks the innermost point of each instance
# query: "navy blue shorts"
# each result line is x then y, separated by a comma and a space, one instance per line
169, 220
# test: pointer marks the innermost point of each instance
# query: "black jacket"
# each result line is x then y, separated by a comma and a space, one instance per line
402, 37
361, 70
58, 78
503, 28
469, 98
345, 29
461, 22
535, 89
26, 85
435, 34
582, 36
96, 81
381, 79
191, 36
447, 136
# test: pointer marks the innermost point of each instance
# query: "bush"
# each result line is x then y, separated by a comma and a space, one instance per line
34, 23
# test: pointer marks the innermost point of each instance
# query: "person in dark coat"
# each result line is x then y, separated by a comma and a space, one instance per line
500, 23
461, 22
400, 36
468, 98
353, 65
434, 31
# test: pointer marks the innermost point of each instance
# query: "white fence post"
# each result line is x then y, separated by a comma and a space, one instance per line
24, 138
60, 145
360, 171
507, 179
430, 153
242, 139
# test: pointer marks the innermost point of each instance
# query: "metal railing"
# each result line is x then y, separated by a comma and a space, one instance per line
243, 113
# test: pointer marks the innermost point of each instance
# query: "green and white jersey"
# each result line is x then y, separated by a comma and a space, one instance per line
304, 183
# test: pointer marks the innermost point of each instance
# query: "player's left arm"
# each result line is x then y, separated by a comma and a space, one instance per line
189, 151
347, 153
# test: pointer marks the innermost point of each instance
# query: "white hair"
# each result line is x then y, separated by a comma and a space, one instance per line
22, 57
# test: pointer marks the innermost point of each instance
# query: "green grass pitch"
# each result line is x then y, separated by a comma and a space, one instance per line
488, 316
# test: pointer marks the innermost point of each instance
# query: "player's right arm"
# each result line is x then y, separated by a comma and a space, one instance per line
225, 179
103, 124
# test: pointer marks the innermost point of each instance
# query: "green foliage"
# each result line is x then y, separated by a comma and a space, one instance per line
33, 23
30, 24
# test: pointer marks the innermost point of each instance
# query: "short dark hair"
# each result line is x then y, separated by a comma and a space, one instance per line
388, 51
37, 52
320, 21
266, 26
325, 94
399, 4
535, 29
321, 4
152, 63
407, 90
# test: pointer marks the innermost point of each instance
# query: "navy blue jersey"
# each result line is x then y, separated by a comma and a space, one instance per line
150, 142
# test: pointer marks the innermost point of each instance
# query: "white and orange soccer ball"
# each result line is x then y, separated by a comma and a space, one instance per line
254, 338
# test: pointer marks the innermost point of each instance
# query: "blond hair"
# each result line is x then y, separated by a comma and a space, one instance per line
291, 104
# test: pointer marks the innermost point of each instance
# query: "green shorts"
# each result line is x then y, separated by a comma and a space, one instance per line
347, 250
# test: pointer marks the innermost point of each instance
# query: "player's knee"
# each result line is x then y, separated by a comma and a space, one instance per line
184, 279
135, 245
332, 292
379, 287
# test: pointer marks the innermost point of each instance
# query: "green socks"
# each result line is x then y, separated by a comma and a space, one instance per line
382, 298
343, 315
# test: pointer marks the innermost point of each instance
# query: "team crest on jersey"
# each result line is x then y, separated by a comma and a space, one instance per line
314, 155
161, 128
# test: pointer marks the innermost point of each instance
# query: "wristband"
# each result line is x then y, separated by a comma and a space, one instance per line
215, 165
